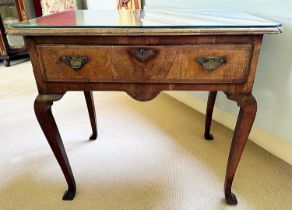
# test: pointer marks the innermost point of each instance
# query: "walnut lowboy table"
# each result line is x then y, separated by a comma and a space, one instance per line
156, 50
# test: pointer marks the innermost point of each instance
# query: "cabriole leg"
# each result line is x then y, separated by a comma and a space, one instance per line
246, 117
42, 107
91, 111
209, 114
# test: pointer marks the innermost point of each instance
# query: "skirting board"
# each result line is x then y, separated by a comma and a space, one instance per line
278, 147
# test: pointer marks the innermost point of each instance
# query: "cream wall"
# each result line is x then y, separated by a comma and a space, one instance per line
273, 85
101, 4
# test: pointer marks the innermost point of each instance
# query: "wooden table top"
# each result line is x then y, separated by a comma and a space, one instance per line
147, 22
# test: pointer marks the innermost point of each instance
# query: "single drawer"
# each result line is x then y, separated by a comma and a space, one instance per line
223, 63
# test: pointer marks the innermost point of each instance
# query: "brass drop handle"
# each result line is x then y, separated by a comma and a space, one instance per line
74, 62
212, 63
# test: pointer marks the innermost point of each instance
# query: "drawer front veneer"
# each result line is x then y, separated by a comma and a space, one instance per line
221, 63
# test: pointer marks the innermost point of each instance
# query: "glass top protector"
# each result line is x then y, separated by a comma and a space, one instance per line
154, 18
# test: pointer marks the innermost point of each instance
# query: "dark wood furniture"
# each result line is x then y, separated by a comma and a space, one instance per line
38, 8
144, 60
6, 51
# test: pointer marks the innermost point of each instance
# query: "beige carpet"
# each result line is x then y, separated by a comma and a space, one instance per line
148, 156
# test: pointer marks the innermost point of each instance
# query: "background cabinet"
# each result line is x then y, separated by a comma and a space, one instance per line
11, 46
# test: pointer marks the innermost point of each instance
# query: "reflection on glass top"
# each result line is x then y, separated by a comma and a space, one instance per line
154, 18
